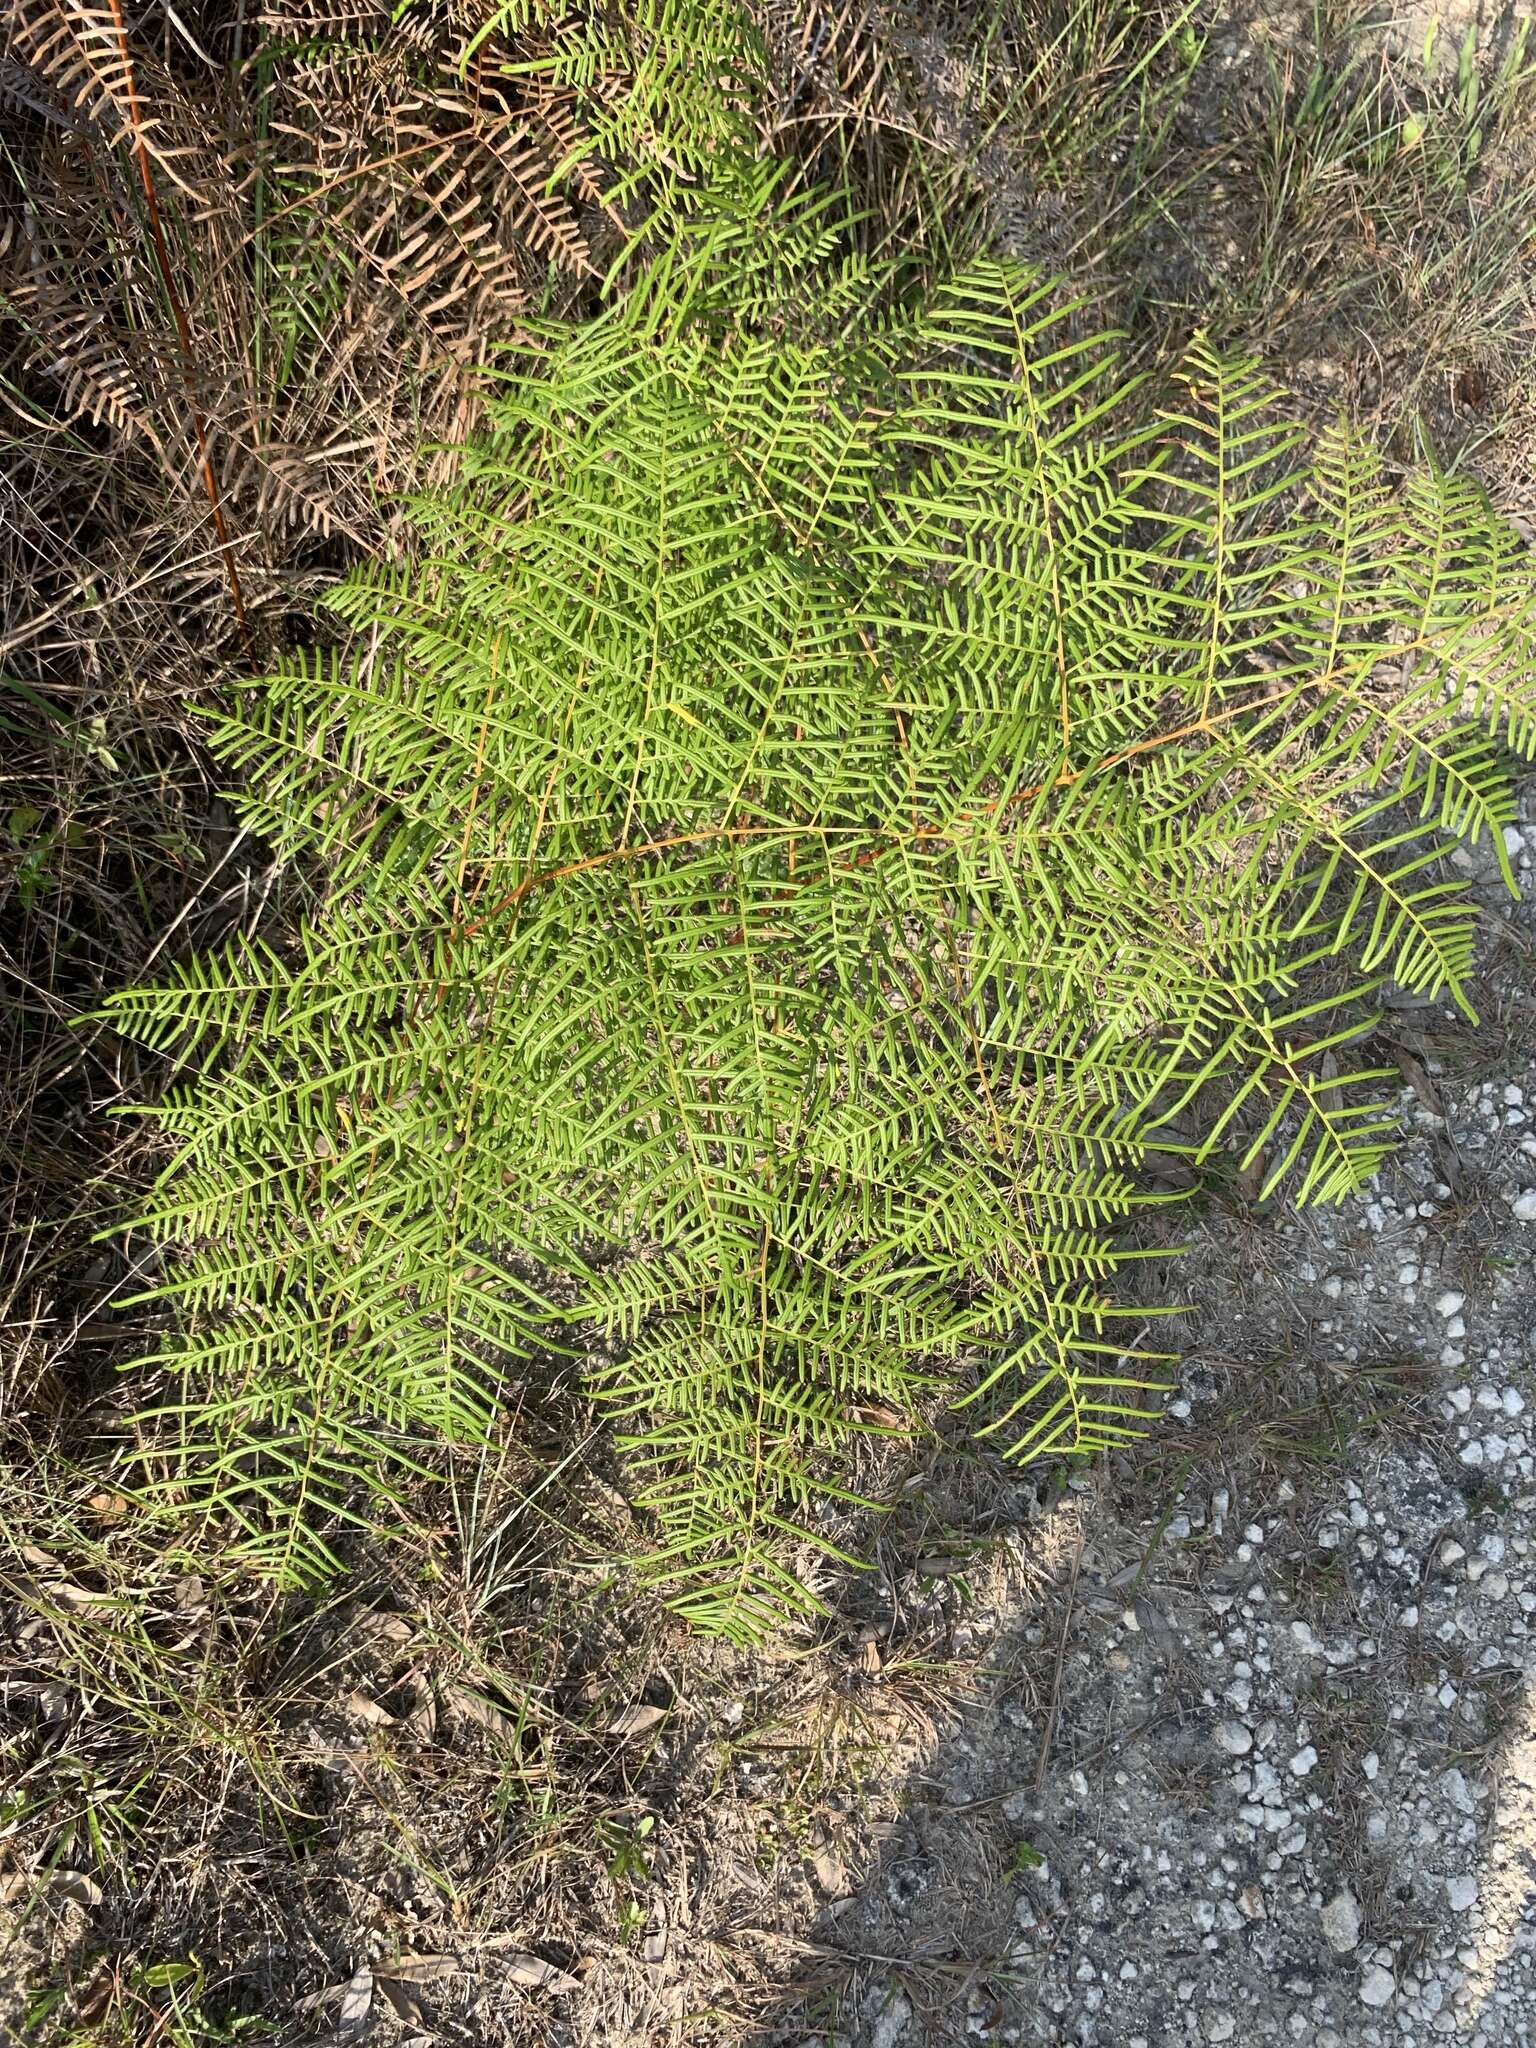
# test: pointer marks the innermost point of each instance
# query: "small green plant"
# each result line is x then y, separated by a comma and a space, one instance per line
629, 1870
830, 786
1479, 96
125, 2003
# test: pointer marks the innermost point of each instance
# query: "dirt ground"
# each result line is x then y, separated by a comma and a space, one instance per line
1232, 1738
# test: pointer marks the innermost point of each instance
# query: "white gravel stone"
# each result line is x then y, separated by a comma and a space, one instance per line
1458, 1791
1234, 1738
1377, 1986
1341, 1923
1304, 1761
891, 2021
1461, 1893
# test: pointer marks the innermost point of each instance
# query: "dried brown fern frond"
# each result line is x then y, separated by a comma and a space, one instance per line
77, 53
847, 102
357, 201
833, 64
87, 355
350, 213
431, 173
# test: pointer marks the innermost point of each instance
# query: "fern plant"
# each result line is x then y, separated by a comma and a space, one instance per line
822, 798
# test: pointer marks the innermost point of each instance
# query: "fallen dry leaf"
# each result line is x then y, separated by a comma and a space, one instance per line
78, 1596
532, 1970
1252, 1174
473, 1708
1447, 1158
419, 1969
383, 1627
357, 1997
361, 1708
327, 1995
654, 1947
878, 1416
75, 1886
402, 2000
636, 1720
96, 2000
415, 1705
1416, 1074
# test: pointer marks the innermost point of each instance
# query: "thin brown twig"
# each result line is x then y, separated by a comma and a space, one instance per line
178, 315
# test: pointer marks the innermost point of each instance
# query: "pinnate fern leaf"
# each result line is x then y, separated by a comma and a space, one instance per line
821, 797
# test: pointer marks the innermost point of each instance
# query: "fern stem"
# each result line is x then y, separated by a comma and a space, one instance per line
1065, 779
178, 314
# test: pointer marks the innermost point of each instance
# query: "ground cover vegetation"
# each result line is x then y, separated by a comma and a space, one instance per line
668, 773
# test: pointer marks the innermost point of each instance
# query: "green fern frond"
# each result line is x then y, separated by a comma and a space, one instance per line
832, 786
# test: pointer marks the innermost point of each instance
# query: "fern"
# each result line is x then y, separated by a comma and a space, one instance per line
822, 798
